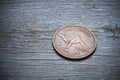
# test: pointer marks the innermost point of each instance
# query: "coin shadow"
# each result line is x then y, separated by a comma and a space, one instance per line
70, 59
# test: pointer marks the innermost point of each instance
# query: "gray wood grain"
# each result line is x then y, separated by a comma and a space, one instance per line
26, 32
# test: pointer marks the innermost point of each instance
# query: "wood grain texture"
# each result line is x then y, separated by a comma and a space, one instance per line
26, 32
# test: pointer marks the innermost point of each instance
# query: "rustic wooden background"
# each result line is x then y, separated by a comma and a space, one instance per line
26, 32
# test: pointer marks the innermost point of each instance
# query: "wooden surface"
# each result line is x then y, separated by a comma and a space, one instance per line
27, 28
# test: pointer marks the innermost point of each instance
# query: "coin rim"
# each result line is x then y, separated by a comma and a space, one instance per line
67, 56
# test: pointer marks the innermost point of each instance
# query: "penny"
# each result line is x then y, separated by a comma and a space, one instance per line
74, 42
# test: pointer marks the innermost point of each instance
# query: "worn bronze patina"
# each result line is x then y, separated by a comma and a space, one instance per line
74, 42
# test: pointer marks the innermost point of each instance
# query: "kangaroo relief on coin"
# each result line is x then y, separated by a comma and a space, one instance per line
74, 42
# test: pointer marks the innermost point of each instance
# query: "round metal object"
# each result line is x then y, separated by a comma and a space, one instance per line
74, 42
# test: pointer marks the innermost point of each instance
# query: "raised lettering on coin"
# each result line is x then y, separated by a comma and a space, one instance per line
74, 42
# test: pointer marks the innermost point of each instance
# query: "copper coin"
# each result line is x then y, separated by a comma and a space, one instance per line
74, 42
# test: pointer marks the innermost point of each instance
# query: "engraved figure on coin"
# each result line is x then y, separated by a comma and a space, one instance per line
75, 40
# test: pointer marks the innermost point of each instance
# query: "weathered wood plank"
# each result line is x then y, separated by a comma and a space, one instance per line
27, 28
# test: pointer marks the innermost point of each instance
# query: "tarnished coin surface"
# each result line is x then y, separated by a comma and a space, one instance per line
74, 42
